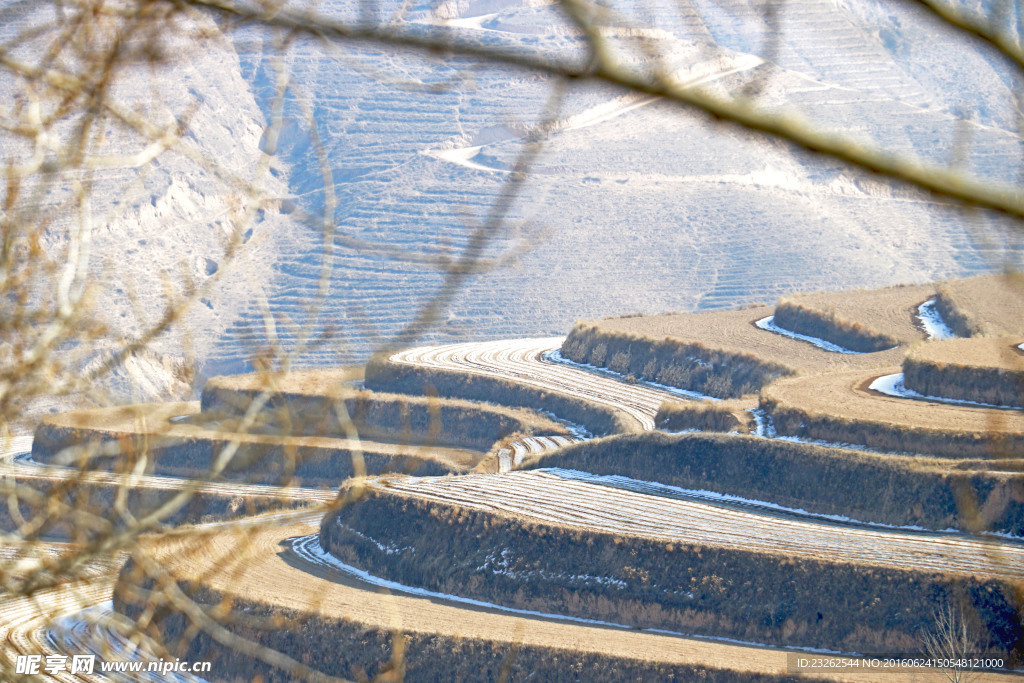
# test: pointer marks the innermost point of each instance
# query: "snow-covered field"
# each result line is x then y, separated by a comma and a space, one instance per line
92, 631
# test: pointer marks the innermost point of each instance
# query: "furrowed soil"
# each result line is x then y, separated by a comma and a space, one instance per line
839, 407
386, 375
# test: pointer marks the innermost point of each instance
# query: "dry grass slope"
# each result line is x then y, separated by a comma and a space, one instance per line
889, 312
705, 416
426, 420
690, 365
794, 315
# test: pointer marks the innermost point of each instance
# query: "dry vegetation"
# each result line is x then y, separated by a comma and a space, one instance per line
691, 365
899, 490
385, 375
705, 416
402, 418
77, 507
991, 305
733, 334
644, 582
117, 438
838, 407
341, 625
889, 311
722, 353
796, 316
987, 370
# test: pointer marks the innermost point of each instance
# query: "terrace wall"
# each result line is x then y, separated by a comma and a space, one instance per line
684, 364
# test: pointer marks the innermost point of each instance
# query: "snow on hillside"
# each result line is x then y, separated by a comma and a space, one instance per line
633, 204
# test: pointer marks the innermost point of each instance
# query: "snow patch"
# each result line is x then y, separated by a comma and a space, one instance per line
931, 320
892, 385
500, 564
768, 324
555, 356
763, 425
462, 156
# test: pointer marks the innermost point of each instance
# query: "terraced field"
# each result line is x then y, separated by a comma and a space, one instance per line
841, 407
24, 629
891, 310
180, 447
523, 361
988, 371
263, 573
737, 332
415, 166
726, 531
542, 497
990, 305
21, 469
